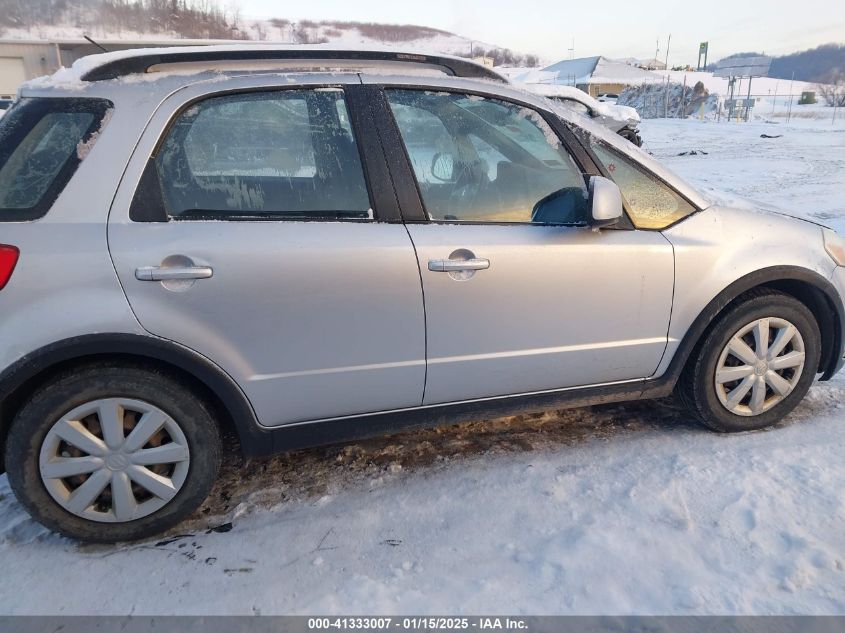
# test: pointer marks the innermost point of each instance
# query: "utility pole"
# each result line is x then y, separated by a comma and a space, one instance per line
775, 100
572, 50
748, 101
789, 110
666, 95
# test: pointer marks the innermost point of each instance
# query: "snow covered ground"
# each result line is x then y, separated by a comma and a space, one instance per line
801, 171
614, 509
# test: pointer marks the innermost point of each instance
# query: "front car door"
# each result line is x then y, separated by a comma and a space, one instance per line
520, 295
301, 283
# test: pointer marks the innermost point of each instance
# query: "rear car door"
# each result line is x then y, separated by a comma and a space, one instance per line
521, 296
245, 230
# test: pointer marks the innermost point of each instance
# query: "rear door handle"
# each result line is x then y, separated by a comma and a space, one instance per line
457, 265
166, 273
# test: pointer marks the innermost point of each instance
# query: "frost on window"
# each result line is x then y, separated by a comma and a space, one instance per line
651, 203
277, 154
36, 161
39, 150
478, 159
84, 146
571, 104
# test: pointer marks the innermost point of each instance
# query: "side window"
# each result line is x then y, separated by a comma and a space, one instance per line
485, 160
42, 142
650, 203
426, 139
288, 154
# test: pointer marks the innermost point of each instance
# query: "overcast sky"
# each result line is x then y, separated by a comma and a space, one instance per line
615, 28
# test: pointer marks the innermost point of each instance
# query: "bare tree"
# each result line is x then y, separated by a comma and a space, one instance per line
833, 91
260, 30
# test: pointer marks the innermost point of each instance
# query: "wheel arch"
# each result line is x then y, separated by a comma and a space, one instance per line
19, 380
805, 285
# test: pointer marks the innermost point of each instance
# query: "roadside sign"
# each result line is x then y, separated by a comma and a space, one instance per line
747, 66
702, 52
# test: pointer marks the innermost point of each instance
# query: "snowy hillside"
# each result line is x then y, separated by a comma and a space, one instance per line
353, 34
282, 31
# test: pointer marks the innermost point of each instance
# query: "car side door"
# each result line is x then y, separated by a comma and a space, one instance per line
245, 229
521, 295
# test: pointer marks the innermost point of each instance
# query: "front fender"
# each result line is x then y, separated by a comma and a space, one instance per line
721, 253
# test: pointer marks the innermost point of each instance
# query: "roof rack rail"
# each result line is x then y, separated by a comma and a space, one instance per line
141, 63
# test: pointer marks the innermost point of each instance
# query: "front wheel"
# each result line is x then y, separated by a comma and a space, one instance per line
112, 453
754, 366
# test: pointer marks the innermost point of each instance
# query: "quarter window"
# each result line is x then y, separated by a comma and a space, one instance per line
281, 155
42, 142
485, 160
651, 203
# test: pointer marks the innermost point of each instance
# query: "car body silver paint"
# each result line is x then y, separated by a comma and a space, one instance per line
558, 307
65, 269
312, 319
64, 284
837, 278
719, 245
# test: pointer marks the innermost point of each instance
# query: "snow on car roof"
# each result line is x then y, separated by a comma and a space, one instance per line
576, 94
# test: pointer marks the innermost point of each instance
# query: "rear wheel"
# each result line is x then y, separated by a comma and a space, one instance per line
111, 453
755, 365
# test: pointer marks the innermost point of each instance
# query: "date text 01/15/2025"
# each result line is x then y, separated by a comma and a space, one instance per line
418, 623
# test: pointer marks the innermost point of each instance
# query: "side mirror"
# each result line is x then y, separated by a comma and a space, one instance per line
443, 167
605, 202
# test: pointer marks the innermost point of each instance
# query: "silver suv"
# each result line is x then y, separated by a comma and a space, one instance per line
309, 246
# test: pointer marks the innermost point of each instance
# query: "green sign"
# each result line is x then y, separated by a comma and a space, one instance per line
702, 48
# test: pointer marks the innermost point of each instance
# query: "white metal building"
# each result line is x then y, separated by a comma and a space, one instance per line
21, 60
593, 75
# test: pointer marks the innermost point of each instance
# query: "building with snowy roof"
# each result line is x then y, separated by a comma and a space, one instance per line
594, 75
25, 59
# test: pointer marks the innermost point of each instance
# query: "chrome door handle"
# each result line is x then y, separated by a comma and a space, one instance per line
166, 273
457, 265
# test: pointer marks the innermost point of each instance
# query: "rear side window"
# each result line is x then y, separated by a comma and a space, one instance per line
42, 142
287, 154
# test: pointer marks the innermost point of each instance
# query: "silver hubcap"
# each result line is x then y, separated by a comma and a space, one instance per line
114, 460
760, 366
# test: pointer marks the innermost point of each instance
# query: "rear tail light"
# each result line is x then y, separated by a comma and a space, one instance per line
8, 259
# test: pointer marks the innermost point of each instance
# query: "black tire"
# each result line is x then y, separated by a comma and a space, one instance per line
106, 380
696, 388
